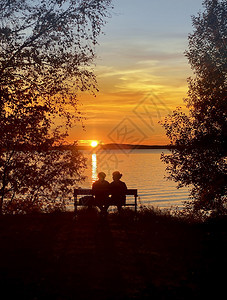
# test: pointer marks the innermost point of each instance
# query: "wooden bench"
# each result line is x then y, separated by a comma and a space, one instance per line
89, 192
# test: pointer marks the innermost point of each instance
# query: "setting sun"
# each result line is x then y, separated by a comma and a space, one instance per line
94, 144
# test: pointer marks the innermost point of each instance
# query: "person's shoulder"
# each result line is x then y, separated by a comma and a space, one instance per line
113, 183
122, 182
95, 183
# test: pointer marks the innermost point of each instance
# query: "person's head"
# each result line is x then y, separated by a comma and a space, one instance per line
116, 175
101, 175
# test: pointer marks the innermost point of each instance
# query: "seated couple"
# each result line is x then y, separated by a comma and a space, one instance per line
102, 189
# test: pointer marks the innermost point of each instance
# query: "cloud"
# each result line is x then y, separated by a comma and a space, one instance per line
142, 52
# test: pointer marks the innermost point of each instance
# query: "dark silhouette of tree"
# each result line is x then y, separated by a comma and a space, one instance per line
200, 138
46, 51
37, 172
47, 48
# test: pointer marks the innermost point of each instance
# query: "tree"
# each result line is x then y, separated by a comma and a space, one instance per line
47, 48
37, 172
199, 139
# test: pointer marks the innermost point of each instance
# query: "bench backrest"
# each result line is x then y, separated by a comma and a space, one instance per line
89, 192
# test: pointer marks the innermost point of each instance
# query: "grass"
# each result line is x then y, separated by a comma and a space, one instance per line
148, 255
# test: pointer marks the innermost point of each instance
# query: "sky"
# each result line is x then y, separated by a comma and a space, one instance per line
141, 72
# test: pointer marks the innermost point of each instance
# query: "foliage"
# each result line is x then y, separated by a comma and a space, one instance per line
36, 172
46, 52
46, 181
47, 48
199, 138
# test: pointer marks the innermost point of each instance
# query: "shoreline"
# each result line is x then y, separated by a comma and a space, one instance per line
123, 147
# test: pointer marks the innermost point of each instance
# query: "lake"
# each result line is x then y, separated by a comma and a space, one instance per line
142, 170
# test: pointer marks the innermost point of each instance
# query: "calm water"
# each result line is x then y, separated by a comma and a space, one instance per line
141, 169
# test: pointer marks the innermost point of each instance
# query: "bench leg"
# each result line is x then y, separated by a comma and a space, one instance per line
75, 205
135, 203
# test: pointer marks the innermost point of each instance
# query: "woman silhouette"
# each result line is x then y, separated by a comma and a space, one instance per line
118, 190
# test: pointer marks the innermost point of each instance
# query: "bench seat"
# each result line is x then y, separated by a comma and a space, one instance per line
89, 192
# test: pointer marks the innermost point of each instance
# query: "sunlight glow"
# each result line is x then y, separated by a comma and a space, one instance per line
94, 144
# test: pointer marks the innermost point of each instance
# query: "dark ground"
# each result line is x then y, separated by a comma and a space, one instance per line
53, 256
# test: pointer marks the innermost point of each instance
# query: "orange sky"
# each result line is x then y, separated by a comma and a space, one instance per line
141, 70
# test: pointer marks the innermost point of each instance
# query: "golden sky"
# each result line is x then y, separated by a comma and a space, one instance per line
141, 71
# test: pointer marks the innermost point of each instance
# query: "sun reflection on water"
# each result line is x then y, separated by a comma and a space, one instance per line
94, 167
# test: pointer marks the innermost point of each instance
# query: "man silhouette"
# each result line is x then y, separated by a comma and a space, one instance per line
101, 190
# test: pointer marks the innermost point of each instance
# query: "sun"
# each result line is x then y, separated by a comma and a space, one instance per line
94, 144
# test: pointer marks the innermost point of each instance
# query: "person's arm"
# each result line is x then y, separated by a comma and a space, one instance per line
125, 188
109, 188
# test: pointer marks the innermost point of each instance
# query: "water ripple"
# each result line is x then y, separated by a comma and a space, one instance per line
141, 169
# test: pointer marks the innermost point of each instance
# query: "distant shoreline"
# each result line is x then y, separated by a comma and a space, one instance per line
124, 146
